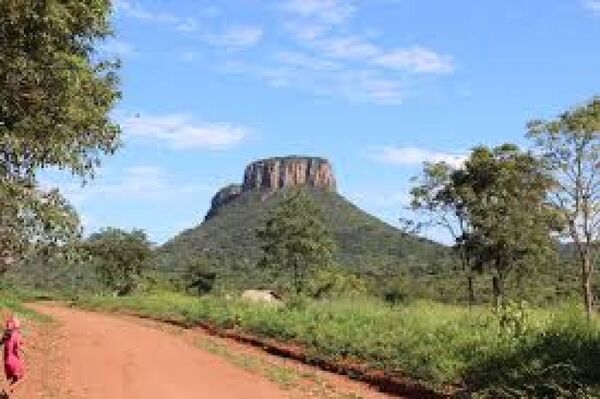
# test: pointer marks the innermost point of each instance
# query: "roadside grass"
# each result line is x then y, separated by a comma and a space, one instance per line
546, 354
281, 376
13, 303
285, 376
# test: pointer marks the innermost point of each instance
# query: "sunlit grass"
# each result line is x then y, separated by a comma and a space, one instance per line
435, 343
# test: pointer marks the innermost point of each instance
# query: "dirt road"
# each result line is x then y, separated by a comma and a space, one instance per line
110, 357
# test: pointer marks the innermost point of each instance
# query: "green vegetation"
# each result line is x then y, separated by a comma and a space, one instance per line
201, 275
119, 258
514, 353
364, 245
495, 207
507, 210
570, 146
12, 301
295, 241
283, 377
56, 94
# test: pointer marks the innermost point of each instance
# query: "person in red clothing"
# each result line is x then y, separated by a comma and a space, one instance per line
14, 367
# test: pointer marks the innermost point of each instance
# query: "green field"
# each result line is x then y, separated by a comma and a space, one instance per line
537, 353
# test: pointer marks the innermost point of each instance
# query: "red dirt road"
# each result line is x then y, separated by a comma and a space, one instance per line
109, 357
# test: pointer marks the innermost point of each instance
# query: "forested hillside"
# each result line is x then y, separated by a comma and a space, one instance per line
364, 244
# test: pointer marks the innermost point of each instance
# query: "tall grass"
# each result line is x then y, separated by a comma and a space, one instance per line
553, 352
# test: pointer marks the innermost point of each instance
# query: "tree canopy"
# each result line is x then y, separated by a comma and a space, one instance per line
119, 257
439, 193
295, 239
570, 145
494, 206
512, 224
56, 93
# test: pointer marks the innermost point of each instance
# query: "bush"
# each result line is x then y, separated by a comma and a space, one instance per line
336, 283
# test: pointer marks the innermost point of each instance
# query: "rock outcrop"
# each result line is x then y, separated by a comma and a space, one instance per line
278, 173
223, 197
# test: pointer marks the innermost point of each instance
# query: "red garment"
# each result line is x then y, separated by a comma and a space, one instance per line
14, 368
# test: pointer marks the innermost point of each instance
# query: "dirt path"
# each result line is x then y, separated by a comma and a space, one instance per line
111, 357
86, 355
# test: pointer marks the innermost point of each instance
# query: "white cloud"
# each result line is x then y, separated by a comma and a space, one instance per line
353, 85
592, 5
301, 60
305, 32
236, 37
278, 77
180, 131
188, 25
352, 47
133, 9
328, 56
140, 182
384, 91
412, 156
189, 55
116, 48
367, 86
365, 69
326, 11
416, 59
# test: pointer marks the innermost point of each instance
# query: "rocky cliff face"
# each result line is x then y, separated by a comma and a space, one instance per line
278, 173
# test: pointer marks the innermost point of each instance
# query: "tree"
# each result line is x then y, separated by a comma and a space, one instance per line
56, 94
439, 194
119, 257
296, 239
201, 275
570, 144
505, 204
494, 207
336, 282
32, 220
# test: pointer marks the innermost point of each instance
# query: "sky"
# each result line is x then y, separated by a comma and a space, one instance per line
376, 86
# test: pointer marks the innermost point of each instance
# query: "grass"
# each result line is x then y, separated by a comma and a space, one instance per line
13, 302
284, 377
287, 377
540, 354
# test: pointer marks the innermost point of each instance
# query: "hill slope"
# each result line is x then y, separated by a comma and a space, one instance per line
364, 243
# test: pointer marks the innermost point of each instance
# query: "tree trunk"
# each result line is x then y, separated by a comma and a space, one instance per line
586, 274
467, 269
498, 290
297, 282
471, 290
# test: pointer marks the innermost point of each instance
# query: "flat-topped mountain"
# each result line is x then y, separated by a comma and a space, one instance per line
278, 173
365, 244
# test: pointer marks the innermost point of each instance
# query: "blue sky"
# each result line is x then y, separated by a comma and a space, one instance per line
376, 86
